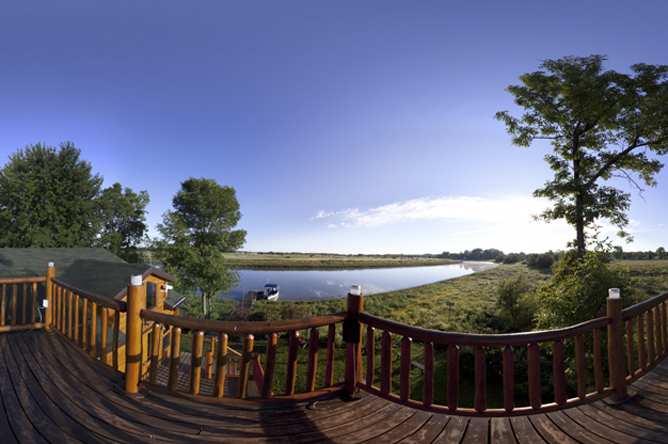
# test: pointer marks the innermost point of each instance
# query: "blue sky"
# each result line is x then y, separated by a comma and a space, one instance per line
344, 126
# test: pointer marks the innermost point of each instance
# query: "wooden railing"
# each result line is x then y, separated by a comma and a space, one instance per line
20, 309
263, 376
605, 355
90, 321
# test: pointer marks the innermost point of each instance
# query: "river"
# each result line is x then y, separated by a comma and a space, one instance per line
309, 285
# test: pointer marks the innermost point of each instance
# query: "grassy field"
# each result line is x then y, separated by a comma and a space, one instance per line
326, 261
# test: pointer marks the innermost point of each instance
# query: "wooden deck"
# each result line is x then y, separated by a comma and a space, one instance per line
50, 394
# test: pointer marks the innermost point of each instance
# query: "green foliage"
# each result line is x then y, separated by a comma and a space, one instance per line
516, 302
542, 261
122, 215
512, 258
196, 234
602, 124
578, 289
48, 199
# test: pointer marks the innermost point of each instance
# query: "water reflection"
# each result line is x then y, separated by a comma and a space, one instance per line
327, 284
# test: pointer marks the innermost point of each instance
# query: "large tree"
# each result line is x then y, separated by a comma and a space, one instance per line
602, 124
196, 234
48, 198
122, 214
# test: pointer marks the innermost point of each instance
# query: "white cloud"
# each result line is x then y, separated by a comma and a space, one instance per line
501, 211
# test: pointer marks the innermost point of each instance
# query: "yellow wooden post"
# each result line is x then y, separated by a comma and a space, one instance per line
616, 346
48, 310
135, 303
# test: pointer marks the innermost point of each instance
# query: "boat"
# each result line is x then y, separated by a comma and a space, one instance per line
270, 292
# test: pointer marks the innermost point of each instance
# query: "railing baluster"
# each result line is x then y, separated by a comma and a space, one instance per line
650, 335
103, 334
293, 346
61, 309
209, 358
386, 363
246, 358
70, 296
24, 305
84, 323
405, 368
534, 376
580, 366
173, 380
370, 355
657, 331
14, 302
559, 368
3, 314
196, 362
598, 367
664, 334
642, 360
270, 365
331, 343
76, 319
508, 379
480, 380
221, 363
453, 377
428, 387
630, 355
155, 353
114, 349
34, 302
312, 367
93, 329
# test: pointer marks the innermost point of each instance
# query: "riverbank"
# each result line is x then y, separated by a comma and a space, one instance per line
307, 261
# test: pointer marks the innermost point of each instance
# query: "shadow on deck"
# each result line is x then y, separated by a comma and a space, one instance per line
50, 394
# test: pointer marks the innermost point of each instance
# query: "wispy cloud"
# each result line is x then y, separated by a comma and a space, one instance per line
503, 210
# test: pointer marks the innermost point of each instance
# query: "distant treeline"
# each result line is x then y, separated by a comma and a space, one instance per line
543, 260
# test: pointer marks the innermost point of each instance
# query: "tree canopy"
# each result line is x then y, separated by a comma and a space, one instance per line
602, 124
50, 198
196, 234
122, 214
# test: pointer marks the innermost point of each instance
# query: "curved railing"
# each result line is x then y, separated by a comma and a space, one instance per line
589, 361
263, 376
451, 343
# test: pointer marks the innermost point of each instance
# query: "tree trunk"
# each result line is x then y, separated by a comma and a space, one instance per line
204, 304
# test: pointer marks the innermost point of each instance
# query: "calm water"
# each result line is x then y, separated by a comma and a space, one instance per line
326, 284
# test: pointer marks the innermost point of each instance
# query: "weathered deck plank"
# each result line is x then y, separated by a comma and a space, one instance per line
49, 394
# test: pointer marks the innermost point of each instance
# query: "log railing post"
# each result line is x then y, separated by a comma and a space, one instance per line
134, 334
616, 362
48, 310
352, 335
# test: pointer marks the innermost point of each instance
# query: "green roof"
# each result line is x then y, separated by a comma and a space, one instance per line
91, 269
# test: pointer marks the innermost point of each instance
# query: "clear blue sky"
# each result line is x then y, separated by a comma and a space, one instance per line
344, 126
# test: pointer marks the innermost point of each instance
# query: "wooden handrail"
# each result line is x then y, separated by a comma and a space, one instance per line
638, 309
22, 280
477, 340
243, 327
120, 306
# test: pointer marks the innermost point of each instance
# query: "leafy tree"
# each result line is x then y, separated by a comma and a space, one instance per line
516, 302
661, 252
48, 198
196, 234
602, 124
122, 216
579, 287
